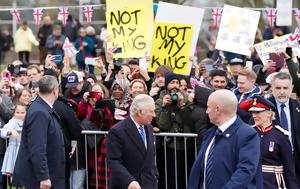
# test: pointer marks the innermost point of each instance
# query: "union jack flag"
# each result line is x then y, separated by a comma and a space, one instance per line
64, 12
15, 13
271, 14
69, 48
217, 14
297, 16
37, 14
88, 13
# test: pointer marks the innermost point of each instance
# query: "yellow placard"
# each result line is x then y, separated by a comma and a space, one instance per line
171, 45
130, 29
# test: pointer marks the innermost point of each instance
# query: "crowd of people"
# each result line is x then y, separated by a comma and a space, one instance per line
39, 101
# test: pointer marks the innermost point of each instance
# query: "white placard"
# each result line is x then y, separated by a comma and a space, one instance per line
284, 12
278, 44
237, 30
172, 13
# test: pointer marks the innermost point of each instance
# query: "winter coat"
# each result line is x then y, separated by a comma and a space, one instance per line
199, 117
24, 39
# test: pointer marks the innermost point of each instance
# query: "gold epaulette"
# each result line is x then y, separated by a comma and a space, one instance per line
285, 132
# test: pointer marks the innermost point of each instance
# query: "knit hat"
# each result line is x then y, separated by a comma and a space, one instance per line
169, 77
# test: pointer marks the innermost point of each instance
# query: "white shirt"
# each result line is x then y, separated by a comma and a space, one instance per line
51, 105
138, 128
288, 116
223, 128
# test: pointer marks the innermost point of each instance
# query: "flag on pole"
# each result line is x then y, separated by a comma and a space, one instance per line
271, 14
88, 13
69, 48
15, 13
64, 12
38, 14
217, 14
297, 16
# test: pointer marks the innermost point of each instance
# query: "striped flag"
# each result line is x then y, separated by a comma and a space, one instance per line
88, 13
271, 14
37, 14
217, 14
15, 13
63, 13
69, 48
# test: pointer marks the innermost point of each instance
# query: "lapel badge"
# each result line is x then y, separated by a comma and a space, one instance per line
227, 135
271, 146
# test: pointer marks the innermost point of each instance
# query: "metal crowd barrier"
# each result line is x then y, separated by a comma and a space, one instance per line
189, 151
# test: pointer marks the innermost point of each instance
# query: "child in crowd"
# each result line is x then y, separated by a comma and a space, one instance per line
12, 130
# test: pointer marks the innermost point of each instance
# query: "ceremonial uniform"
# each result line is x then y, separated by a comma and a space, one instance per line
278, 165
277, 160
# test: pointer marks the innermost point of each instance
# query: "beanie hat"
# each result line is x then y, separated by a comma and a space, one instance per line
169, 77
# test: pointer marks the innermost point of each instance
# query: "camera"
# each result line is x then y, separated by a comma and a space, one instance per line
174, 97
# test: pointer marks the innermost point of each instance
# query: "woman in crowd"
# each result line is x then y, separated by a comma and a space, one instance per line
23, 96
99, 116
85, 46
122, 100
136, 87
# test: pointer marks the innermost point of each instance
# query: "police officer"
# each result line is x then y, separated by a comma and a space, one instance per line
276, 153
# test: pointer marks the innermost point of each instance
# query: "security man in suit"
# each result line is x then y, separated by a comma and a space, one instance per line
287, 113
276, 153
40, 162
229, 157
131, 150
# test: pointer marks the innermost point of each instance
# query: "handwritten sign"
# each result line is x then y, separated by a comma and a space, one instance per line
130, 28
171, 46
237, 30
277, 44
173, 13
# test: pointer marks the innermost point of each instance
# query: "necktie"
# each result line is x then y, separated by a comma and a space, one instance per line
209, 163
142, 133
283, 118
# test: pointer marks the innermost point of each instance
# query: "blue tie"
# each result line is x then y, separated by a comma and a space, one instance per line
283, 118
142, 133
209, 164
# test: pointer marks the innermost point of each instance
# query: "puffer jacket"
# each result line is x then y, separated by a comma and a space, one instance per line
199, 117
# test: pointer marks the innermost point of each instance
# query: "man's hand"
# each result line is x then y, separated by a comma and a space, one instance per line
166, 100
134, 185
45, 184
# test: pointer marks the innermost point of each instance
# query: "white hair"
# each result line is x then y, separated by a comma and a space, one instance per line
90, 29
140, 102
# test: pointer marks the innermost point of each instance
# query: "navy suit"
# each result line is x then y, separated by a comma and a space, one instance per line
236, 163
128, 158
295, 131
41, 155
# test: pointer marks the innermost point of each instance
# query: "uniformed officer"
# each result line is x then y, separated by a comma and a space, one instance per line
276, 153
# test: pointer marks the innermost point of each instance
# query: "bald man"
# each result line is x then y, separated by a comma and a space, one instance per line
229, 157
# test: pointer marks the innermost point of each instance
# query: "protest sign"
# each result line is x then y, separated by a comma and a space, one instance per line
284, 12
277, 44
171, 46
172, 13
130, 27
237, 30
